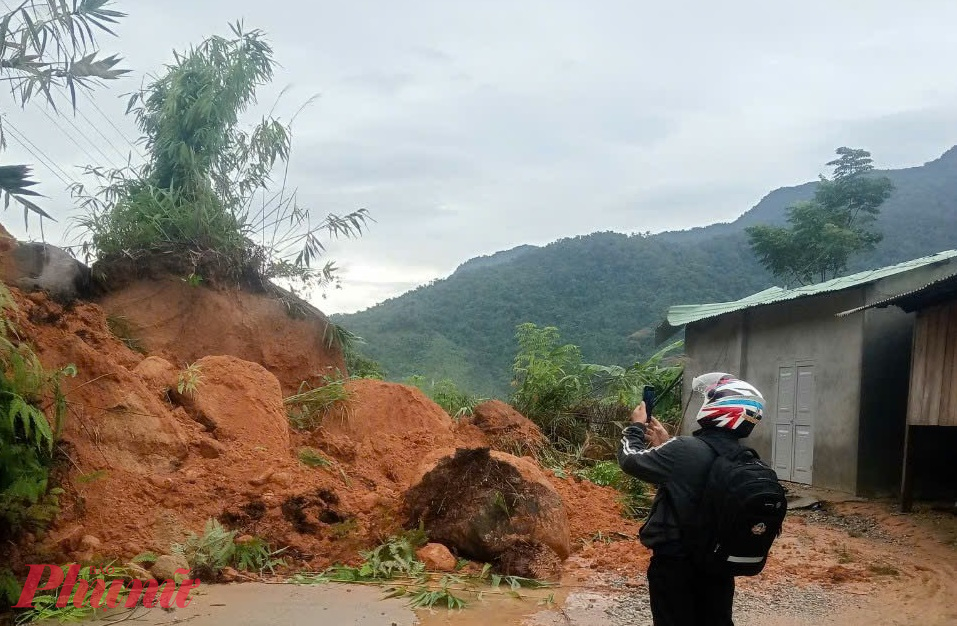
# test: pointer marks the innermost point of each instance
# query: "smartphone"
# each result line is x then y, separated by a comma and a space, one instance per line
649, 399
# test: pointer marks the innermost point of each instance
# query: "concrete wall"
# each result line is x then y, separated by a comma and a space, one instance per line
808, 330
753, 344
713, 345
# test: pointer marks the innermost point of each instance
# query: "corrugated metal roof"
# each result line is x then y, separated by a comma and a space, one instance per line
915, 298
684, 314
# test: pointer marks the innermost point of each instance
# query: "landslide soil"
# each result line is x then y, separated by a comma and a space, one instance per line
143, 466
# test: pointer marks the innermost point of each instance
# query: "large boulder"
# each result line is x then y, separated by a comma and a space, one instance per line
506, 429
493, 507
41, 266
237, 401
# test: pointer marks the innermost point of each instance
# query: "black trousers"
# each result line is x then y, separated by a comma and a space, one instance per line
682, 595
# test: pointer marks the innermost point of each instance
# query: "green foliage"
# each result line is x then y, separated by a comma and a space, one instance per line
46, 46
446, 394
568, 398
312, 458
310, 406
634, 493
9, 588
394, 566
208, 554
603, 474
255, 555
205, 192
608, 292
361, 366
824, 233
145, 557
44, 604
26, 435
549, 377
189, 380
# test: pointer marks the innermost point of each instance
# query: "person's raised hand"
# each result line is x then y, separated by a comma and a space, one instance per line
656, 433
639, 415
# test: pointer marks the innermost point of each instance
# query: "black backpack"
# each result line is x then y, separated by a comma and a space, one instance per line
740, 514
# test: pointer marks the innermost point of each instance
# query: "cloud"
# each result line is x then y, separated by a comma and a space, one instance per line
467, 128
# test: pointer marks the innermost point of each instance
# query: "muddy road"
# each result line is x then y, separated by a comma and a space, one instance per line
849, 564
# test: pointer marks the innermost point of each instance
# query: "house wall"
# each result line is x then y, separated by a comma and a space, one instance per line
807, 330
753, 344
713, 345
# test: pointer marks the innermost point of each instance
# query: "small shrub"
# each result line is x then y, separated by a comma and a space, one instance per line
255, 555
27, 436
209, 553
361, 366
312, 458
145, 557
604, 474
189, 379
446, 394
44, 604
309, 407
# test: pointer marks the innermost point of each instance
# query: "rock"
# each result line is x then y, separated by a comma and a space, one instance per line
506, 429
262, 479
436, 557
281, 479
159, 374
166, 566
239, 401
138, 572
89, 542
160, 482
228, 575
48, 268
209, 448
501, 510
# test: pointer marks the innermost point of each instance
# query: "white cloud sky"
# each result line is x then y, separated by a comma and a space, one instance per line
467, 128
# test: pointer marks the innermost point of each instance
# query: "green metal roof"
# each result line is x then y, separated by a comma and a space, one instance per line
683, 314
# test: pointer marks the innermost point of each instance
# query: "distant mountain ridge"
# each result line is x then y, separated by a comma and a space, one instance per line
604, 291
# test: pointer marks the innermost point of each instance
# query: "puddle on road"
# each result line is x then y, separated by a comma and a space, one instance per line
569, 607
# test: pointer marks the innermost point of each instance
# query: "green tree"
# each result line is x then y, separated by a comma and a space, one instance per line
825, 232
46, 46
205, 192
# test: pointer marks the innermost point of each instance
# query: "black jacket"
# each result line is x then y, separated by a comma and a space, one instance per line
679, 467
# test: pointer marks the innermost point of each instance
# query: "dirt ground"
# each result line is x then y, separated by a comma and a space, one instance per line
849, 564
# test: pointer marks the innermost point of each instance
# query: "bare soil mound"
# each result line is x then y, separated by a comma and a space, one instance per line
170, 318
506, 429
493, 507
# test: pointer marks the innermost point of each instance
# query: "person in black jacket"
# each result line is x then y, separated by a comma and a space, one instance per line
681, 593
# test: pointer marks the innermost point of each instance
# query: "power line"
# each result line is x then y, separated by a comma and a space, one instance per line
99, 132
39, 154
73, 139
111, 123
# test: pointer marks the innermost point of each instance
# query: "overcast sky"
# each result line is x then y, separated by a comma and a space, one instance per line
470, 127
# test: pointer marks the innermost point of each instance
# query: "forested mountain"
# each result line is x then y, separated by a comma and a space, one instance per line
607, 291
